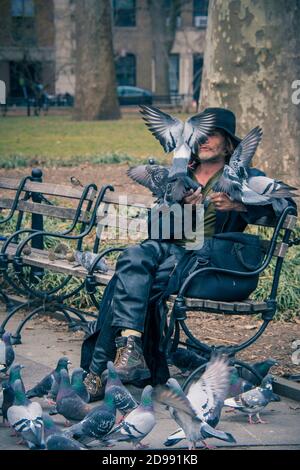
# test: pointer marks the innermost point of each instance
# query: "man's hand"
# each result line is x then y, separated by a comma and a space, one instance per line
193, 197
222, 202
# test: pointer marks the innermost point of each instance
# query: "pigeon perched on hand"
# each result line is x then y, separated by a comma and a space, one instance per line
137, 424
7, 354
49, 384
205, 398
97, 423
253, 401
124, 401
181, 137
168, 190
26, 418
78, 384
68, 403
257, 190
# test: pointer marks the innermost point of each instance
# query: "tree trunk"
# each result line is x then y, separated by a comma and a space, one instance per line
95, 88
250, 63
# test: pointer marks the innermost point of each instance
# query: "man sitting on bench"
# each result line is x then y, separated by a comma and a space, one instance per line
144, 270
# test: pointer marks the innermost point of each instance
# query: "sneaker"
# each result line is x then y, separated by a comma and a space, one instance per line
94, 386
130, 362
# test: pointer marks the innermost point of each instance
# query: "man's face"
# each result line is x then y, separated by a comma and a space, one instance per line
213, 147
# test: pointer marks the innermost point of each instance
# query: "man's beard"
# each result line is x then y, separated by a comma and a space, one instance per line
213, 159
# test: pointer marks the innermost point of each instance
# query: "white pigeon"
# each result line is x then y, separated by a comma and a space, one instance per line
175, 135
137, 424
26, 418
199, 412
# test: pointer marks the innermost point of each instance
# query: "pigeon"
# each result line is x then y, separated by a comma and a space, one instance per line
7, 397
168, 190
257, 190
25, 417
7, 354
206, 396
180, 137
261, 367
15, 374
193, 427
62, 442
86, 259
49, 426
137, 424
78, 385
237, 384
49, 384
97, 423
253, 401
124, 401
68, 403
186, 359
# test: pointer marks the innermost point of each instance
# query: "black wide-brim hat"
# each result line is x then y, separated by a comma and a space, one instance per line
225, 120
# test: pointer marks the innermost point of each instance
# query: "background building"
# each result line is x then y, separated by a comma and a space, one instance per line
37, 41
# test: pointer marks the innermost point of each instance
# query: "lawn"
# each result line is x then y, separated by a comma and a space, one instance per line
49, 139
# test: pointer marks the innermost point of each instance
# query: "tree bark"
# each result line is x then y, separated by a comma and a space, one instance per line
95, 76
251, 61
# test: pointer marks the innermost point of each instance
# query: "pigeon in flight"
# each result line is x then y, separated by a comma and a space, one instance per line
253, 401
181, 137
168, 190
257, 190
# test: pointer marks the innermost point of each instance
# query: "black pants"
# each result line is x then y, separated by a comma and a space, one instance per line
142, 272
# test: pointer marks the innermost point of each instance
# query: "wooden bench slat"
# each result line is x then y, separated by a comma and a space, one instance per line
45, 209
50, 189
137, 200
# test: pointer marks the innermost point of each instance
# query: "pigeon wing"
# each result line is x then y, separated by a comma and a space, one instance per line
243, 154
169, 398
165, 128
197, 128
211, 389
153, 177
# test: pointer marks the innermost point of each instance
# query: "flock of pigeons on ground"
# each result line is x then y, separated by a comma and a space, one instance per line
170, 184
197, 411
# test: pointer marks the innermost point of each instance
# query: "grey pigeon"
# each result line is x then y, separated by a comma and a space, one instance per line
97, 423
50, 427
257, 190
192, 425
7, 397
7, 354
68, 403
124, 401
86, 259
78, 384
253, 401
168, 190
237, 384
137, 424
62, 442
49, 384
175, 135
26, 418
186, 359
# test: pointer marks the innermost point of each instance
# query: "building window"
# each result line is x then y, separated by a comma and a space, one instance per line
197, 75
172, 10
126, 70
22, 8
200, 13
124, 12
174, 73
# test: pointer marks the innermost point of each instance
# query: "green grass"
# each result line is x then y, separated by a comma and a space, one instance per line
49, 139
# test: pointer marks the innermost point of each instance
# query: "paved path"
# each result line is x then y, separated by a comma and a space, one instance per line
44, 343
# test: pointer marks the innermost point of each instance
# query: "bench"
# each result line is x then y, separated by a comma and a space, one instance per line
111, 217
41, 213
